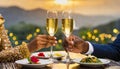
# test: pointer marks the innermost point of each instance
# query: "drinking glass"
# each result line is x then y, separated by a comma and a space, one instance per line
51, 26
67, 28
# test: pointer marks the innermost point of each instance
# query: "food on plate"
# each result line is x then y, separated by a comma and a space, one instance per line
57, 55
41, 54
90, 59
33, 60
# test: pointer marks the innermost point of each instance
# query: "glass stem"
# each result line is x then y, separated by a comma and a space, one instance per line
68, 57
51, 51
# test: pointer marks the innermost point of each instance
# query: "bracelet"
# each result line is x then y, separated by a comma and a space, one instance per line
24, 51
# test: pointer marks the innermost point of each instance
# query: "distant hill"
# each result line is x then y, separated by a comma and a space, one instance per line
14, 15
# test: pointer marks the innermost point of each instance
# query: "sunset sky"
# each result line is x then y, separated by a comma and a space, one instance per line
87, 7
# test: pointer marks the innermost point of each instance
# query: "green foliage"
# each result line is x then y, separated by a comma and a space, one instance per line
22, 29
95, 35
26, 32
107, 28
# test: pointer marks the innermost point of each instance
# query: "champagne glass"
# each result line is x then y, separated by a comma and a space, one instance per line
51, 26
67, 28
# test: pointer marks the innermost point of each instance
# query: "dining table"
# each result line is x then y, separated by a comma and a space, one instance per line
61, 65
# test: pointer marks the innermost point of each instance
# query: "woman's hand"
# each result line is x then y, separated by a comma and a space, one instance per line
75, 44
41, 41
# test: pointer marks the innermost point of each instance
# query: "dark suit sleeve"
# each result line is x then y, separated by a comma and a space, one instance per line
110, 51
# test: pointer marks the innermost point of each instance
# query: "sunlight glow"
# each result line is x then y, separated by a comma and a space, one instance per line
61, 2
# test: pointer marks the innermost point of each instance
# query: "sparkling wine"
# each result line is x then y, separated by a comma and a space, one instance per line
67, 26
51, 26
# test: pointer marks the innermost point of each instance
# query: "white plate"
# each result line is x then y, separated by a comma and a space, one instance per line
104, 61
25, 62
47, 54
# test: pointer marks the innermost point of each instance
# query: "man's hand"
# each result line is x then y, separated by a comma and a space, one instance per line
75, 44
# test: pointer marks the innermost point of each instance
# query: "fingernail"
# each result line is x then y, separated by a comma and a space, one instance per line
55, 41
72, 42
55, 37
54, 44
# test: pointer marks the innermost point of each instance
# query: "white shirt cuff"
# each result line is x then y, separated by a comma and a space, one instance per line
90, 50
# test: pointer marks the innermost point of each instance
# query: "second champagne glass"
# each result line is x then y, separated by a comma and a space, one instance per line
51, 26
67, 28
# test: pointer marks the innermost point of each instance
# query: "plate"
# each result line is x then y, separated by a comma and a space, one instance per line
56, 55
104, 61
25, 62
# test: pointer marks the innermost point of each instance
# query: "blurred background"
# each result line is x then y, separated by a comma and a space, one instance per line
95, 20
